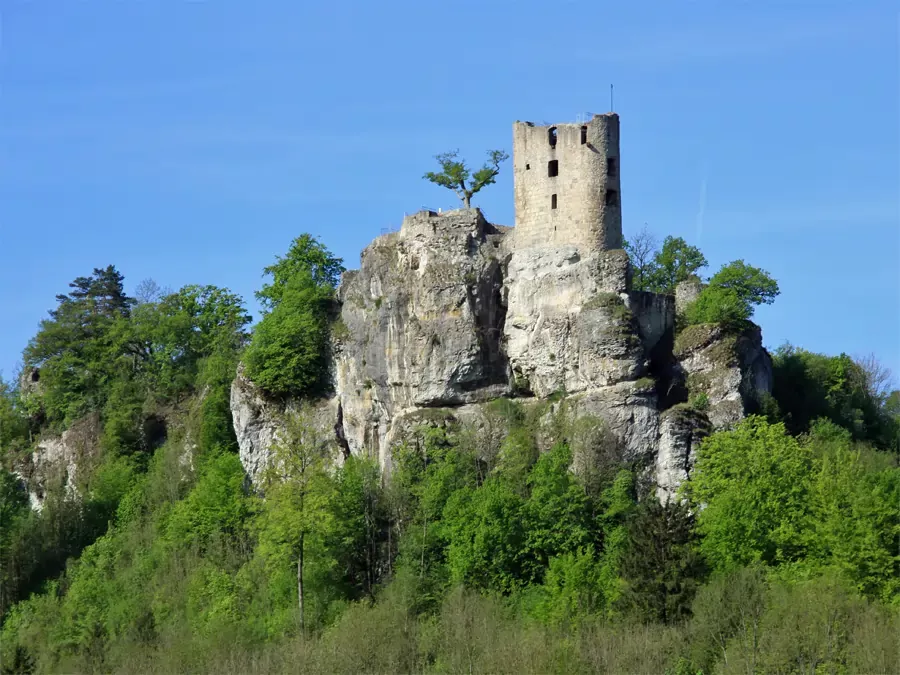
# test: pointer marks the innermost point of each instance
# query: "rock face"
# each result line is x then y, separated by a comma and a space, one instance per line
563, 333
681, 428
449, 314
58, 461
255, 420
424, 318
733, 371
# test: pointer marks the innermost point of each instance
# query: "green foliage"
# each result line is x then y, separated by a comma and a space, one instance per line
73, 347
455, 175
167, 341
306, 257
661, 270
744, 622
557, 515
754, 485
731, 295
14, 514
486, 551
700, 401
288, 355
806, 505
855, 493
13, 421
216, 506
661, 566
808, 386
486, 536
675, 262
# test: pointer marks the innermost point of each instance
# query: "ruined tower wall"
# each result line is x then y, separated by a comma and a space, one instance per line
581, 203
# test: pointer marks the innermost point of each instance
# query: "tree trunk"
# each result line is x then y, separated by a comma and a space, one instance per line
467, 201
300, 584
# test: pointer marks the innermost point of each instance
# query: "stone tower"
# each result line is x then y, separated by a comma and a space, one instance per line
566, 180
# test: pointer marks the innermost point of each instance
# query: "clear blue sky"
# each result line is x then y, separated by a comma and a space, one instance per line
191, 141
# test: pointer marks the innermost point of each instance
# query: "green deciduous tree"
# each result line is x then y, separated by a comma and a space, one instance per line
299, 490
306, 257
456, 176
660, 270
167, 340
675, 262
752, 485
13, 421
557, 515
732, 294
73, 347
486, 536
855, 492
288, 355
215, 508
808, 386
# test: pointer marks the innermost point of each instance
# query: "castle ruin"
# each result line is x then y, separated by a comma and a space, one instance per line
452, 312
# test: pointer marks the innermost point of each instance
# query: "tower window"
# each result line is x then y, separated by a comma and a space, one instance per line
611, 167
552, 201
553, 168
527, 166
551, 136
583, 135
612, 198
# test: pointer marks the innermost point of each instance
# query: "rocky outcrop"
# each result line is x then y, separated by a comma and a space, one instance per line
732, 369
563, 332
422, 324
445, 316
59, 461
255, 418
681, 428
258, 423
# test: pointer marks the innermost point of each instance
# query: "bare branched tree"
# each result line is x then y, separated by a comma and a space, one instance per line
149, 291
642, 249
879, 379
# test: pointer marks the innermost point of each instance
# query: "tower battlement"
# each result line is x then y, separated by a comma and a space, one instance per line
567, 187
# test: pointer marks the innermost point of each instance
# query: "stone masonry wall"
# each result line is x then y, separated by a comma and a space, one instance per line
586, 186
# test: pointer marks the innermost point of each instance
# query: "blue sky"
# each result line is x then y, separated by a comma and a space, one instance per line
191, 141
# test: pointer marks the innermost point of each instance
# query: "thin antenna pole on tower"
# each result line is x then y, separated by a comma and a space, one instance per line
612, 108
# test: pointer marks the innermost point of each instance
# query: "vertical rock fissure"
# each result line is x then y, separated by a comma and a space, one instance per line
339, 432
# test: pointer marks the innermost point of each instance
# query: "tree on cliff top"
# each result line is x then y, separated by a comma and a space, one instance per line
731, 295
288, 355
455, 175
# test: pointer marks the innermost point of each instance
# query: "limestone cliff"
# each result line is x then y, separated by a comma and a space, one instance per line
448, 313
59, 460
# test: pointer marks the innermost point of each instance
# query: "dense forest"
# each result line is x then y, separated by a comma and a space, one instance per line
482, 553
